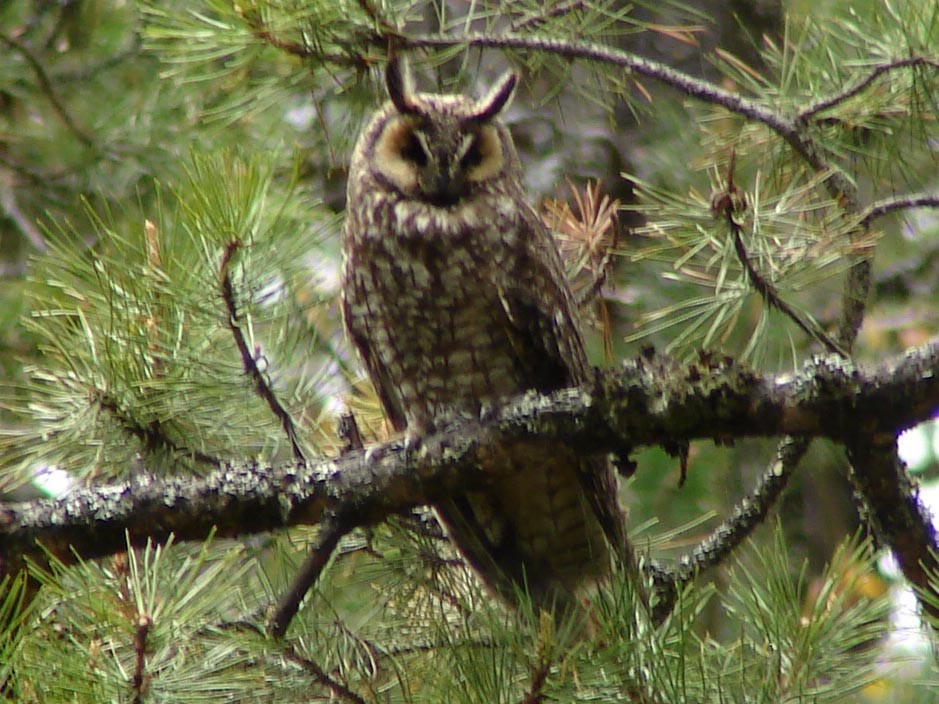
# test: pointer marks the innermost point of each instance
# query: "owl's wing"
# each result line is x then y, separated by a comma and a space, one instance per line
545, 334
541, 318
381, 379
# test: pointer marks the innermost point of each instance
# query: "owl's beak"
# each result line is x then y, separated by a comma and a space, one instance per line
445, 190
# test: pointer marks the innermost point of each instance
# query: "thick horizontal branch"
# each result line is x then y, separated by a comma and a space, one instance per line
648, 401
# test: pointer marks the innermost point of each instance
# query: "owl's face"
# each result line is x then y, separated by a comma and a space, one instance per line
441, 148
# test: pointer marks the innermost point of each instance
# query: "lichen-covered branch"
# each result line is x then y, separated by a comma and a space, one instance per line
647, 401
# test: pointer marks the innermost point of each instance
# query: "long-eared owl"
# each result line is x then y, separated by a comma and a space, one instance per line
454, 296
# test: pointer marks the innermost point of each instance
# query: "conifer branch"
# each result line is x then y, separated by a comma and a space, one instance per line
151, 435
648, 401
338, 689
728, 204
890, 205
249, 359
772, 298
831, 101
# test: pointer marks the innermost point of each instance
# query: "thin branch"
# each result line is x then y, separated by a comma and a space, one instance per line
338, 689
348, 431
806, 114
889, 205
332, 530
249, 360
771, 296
141, 636
748, 514
150, 435
353, 59
46, 86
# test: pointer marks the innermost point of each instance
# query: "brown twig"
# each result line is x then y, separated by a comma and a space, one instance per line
338, 689
889, 205
45, 84
331, 531
348, 431
831, 101
140, 679
151, 435
727, 206
248, 359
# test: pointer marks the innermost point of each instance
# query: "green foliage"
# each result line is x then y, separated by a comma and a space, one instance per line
157, 144
139, 360
181, 606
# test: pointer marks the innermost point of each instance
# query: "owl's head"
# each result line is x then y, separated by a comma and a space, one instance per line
441, 148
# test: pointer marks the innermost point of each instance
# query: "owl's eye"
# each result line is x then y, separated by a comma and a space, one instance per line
412, 150
473, 155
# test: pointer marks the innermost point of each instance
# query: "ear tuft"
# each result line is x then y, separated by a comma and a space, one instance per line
398, 82
497, 98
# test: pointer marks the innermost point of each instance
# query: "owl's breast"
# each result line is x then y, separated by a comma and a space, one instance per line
423, 294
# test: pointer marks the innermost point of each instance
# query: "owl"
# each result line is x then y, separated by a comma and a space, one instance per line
454, 297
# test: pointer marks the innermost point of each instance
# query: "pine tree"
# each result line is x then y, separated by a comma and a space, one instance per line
171, 191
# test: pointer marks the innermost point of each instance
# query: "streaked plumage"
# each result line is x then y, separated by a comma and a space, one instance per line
454, 295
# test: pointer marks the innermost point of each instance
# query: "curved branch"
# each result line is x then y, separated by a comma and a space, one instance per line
249, 359
45, 84
889, 205
848, 93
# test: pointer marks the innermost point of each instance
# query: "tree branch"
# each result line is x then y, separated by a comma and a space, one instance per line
46, 86
648, 401
249, 359
806, 114
889, 205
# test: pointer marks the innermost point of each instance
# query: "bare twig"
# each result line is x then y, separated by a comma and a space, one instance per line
141, 635
45, 84
338, 689
748, 513
727, 205
348, 431
889, 205
331, 531
248, 359
831, 101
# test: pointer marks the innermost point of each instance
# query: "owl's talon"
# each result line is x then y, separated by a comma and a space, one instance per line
413, 442
374, 454
487, 411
